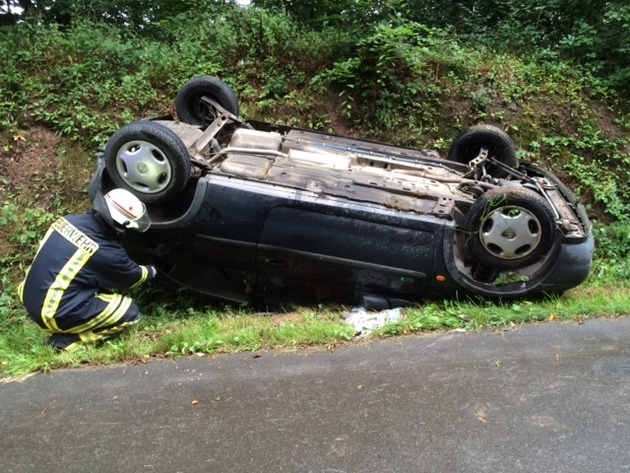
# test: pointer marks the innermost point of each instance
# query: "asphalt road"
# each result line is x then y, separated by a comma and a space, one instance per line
545, 398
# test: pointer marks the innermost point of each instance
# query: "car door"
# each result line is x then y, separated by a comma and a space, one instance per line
309, 253
213, 252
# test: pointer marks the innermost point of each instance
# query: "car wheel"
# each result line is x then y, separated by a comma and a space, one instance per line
192, 110
149, 160
510, 228
466, 147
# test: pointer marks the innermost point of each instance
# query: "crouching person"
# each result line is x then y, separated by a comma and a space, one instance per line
66, 290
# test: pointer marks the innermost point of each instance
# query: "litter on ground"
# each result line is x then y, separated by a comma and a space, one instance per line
365, 322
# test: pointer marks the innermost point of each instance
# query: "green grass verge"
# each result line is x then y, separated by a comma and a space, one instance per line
183, 326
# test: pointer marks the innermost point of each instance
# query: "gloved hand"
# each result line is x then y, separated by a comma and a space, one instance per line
152, 271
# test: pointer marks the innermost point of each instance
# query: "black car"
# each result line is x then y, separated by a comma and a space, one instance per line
251, 211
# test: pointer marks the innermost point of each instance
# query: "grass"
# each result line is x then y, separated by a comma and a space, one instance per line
179, 325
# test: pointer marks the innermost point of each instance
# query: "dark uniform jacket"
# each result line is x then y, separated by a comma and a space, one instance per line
79, 256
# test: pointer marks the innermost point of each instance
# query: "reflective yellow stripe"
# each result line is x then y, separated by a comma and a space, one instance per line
20, 289
108, 297
73, 347
56, 291
89, 337
143, 278
43, 240
117, 307
108, 316
114, 330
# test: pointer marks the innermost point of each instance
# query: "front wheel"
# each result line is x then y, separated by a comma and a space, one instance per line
510, 228
149, 160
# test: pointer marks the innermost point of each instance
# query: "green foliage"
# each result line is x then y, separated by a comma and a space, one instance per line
86, 80
603, 42
21, 229
394, 75
613, 241
141, 15
594, 33
27, 227
612, 250
252, 48
600, 164
74, 81
343, 14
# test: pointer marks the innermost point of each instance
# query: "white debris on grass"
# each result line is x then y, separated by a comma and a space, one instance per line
365, 322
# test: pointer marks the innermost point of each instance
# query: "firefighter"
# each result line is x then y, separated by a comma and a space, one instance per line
67, 290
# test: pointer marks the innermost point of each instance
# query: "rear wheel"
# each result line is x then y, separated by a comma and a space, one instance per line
467, 146
192, 110
510, 228
149, 160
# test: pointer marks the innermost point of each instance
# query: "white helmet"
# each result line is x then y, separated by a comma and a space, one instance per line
127, 210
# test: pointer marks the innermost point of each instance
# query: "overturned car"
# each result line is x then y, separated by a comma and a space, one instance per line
252, 211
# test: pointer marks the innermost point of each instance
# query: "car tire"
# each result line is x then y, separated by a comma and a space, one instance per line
192, 110
510, 228
467, 145
149, 160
